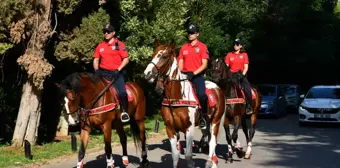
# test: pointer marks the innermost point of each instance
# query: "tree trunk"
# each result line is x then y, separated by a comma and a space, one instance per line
28, 117
62, 129
37, 68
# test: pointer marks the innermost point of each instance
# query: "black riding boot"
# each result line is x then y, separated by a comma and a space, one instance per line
203, 113
124, 116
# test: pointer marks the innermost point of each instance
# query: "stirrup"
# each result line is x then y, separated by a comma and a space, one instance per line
202, 126
124, 116
249, 111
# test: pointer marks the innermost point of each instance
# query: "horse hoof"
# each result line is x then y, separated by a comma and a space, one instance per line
145, 164
247, 156
208, 164
230, 160
228, 157
214, 160
125, 160
240, 153
80, 164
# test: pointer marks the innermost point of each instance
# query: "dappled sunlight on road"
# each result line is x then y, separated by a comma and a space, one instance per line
294, 146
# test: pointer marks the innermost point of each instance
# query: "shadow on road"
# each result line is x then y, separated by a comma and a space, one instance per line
101, 161
294, 146
166, 160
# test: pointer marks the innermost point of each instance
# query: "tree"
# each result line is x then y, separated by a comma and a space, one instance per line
35, 20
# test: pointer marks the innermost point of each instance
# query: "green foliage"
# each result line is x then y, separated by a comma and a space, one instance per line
79, 45
67, 7
4, 47
150, 20
10, 11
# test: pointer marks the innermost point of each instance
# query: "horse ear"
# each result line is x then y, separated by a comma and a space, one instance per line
173, 45
57, 84
157, 43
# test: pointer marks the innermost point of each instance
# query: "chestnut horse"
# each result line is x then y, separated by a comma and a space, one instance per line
235, 108
179, 106
92, 101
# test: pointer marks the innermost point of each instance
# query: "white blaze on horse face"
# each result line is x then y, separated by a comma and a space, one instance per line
150, 66
70, 118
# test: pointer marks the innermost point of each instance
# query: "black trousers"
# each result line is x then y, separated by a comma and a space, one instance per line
247, 88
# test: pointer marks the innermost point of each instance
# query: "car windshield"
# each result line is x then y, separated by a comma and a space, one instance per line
267, 90
327, 93
289, 90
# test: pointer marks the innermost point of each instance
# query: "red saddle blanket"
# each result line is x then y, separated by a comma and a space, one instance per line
111, 106
242, 99
178, 102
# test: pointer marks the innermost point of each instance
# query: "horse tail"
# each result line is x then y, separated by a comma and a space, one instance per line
135, 133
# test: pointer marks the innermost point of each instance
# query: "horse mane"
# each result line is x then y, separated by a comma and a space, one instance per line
72, 82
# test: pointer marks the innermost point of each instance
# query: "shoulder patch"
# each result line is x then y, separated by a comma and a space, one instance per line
124, 49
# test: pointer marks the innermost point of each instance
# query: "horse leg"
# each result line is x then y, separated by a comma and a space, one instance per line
189, 138
108, 149
123, 141
173, 141
229, 155
235, 135
253, 119
145, 161
84, 135
214, 128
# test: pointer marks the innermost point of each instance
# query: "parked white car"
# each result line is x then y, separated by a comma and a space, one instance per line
321, 104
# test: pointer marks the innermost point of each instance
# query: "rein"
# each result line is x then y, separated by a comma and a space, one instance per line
161, 77
85, 109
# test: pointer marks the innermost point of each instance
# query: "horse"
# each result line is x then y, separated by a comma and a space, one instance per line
235, 108
179, 105
91, 101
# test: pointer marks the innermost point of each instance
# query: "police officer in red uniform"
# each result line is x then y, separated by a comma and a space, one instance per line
238, 63
110, 57
193, 61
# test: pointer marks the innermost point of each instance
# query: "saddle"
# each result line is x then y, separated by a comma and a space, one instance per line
114, 91
235, 80
189, 98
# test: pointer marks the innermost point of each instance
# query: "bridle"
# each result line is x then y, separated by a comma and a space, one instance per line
160, 74
85, 110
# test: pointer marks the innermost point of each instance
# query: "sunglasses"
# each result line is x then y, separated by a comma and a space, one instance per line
237, 44
107, 32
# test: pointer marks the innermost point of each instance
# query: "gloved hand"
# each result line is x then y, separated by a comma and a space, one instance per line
96, 73
241, 76
115, 74
190, 75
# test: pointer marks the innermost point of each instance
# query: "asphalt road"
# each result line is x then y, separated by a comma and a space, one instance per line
277, 143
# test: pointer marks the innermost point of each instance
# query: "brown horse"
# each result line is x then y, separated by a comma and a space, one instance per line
235, 109
91, 101
179, 106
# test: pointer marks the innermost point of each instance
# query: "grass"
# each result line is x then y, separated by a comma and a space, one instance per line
16, 157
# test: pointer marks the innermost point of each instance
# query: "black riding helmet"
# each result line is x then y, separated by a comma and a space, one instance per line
237, 42
193, 28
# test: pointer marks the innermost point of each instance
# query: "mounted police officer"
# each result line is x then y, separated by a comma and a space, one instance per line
110, 57
193, 61
238, 63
